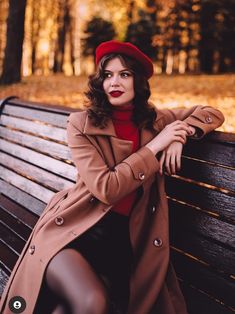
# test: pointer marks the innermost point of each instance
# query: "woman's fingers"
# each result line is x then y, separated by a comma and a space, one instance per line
167, 162
178, 161
171, 158
162, 160
172, 164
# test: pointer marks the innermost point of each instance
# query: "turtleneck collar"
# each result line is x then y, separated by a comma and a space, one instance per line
123, 113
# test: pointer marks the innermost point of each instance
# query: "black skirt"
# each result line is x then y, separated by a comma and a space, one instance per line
106, 246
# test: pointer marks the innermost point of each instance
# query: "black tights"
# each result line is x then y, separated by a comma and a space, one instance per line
73, 280
72, 284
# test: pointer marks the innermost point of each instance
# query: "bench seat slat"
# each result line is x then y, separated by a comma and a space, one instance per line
44, 146
56, 119
8, 256
19, 214
208, 173
11, 239
42, 176
32, 204
15, 224
201, 196
55, 133
195, 273
3, 278
56, 166
26, 185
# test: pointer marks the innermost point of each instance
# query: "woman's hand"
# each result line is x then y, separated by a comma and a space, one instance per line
176, 131
171, 158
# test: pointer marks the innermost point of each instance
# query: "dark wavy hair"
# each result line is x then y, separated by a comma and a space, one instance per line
99, 108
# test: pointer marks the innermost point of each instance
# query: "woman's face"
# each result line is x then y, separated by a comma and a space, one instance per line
118, 83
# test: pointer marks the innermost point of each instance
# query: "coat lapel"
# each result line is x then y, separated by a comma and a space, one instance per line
121, 148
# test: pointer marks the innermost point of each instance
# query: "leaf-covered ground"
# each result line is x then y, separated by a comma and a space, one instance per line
167, 92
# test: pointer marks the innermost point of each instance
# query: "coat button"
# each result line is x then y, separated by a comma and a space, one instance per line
92, 199
157, 242
59, 220
153, 209
31, 249
141, 176
208, 119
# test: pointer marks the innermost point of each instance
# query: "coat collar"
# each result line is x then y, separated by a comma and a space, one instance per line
89, 129
145, 134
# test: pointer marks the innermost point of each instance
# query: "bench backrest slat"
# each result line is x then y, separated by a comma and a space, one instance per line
53, 133
26, 185
58, 120
56, 166
20, 197
56, 150
213, 150
43, 177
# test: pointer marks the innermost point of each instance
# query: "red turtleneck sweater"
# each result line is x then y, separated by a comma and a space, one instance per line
126, 130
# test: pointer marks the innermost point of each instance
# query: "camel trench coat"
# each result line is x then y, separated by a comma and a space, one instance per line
107, 171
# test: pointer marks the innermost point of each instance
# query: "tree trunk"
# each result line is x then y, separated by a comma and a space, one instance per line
15, 36
64, 23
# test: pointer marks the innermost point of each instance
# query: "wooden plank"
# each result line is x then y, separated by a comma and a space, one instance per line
11, 239
217, 256
213, 252
56, 166
221, 137
32, 204
39, 129
8, 256
56, 119
202, 303
43, 177
201, 223
15, 224
20, 214
3, 278
220, 153
203, 197
36, 143
26, 185
203, 278
41, 106
208, 173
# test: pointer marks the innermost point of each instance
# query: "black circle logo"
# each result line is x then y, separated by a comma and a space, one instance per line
17, 304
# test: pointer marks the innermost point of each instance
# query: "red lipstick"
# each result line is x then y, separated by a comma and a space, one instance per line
116, 93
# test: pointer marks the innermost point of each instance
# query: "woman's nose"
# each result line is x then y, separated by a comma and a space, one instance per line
114, 81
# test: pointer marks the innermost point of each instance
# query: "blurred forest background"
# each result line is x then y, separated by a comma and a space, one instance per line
48, 46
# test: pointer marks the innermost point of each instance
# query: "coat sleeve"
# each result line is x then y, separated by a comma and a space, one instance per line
108, 185
204, 118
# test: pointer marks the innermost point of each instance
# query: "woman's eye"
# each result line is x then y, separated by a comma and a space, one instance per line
126, 74
107, 75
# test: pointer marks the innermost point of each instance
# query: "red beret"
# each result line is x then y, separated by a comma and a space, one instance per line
126, 48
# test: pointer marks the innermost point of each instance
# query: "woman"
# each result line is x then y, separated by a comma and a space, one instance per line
102, 246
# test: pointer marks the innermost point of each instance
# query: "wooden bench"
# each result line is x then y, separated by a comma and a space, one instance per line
35, 163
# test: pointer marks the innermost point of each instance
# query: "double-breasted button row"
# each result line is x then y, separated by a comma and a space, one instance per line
141, 176
157, 242
31, 249
59, 220
208, 119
